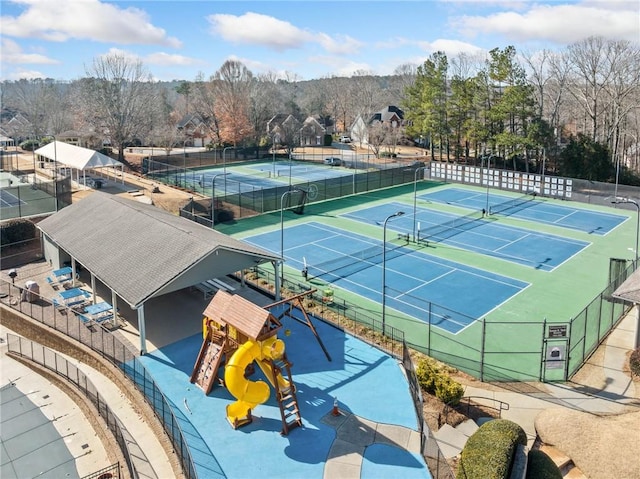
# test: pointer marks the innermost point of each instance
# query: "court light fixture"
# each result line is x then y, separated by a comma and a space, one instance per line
384, 267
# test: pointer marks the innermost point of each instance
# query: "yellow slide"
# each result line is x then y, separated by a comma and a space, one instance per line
249, 393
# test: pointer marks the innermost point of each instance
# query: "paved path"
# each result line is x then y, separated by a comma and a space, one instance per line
615, 393
353, 435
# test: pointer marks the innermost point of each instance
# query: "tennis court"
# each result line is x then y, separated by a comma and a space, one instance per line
420, 285
301, 171
529, 208
7, 199
475, 232
250, 177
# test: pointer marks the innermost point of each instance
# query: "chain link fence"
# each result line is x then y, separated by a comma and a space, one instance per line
118, 351
58, 364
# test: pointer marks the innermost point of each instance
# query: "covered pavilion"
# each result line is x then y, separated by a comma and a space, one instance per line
79, 160
140, 252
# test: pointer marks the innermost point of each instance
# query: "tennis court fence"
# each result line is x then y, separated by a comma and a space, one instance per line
486, 349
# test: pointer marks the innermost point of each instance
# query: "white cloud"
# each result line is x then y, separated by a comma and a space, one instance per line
560, 23
12, 53
450, 47
85, 20
340, 45
257, 29
19, 74
167, 59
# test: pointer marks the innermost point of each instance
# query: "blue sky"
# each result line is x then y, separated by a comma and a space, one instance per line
300, 40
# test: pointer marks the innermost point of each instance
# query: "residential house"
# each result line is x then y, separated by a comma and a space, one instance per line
194, 130
391, 115
284, 129
314, 129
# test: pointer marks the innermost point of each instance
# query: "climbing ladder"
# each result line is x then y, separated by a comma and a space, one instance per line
287, 400
209, 359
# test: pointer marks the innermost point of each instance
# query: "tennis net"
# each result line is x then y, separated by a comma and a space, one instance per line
513, 203
348, 264
448, 229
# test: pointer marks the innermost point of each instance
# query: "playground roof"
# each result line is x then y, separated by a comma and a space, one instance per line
140, 251
247, 317
76, 156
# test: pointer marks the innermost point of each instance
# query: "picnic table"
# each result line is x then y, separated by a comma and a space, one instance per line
99, 312
74, 296
60, 276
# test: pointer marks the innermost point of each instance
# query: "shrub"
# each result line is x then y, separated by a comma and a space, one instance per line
489, 451
30, 145
448, 391
435, 381
634, 362
541, 466
16, 230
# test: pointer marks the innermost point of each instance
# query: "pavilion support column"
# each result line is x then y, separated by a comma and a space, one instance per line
114, 303
73, 272
142, 331
637, 342
93, 288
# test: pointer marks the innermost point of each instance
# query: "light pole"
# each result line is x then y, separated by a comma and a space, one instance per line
415, 190
224, 166
634, 203
384, 267
289, 192
488, 173
213, 198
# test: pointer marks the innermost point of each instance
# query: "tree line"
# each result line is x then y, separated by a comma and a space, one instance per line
576, 111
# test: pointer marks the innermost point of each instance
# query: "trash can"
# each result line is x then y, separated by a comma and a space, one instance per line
31, 291
97, 184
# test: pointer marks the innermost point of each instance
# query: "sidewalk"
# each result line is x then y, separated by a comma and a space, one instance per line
72, 425
608, 390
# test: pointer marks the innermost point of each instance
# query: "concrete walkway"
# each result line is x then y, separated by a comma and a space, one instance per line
353, 435
612, 392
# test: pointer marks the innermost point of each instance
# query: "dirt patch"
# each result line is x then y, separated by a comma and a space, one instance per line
602, 447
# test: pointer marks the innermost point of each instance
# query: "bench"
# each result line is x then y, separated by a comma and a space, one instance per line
221, 284
211, 286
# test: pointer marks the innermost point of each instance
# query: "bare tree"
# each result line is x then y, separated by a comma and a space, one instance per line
590, 75
118, 97
36, 100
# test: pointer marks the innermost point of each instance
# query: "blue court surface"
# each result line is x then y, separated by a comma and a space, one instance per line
592, 222
419, 285
301, 171
474, 233
7, 199
258, 449
266, 175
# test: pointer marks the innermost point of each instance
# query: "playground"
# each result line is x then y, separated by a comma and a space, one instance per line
290, 403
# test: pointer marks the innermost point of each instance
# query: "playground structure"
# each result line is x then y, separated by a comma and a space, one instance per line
241, 334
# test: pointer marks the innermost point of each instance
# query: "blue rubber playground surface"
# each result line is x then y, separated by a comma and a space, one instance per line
258, 449
475, 233
419, 285
592, 222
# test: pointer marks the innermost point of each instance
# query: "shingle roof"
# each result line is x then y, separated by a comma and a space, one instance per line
236, 311
630, 289
138, 250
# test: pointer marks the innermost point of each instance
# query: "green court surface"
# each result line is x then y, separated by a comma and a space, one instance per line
511, 342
